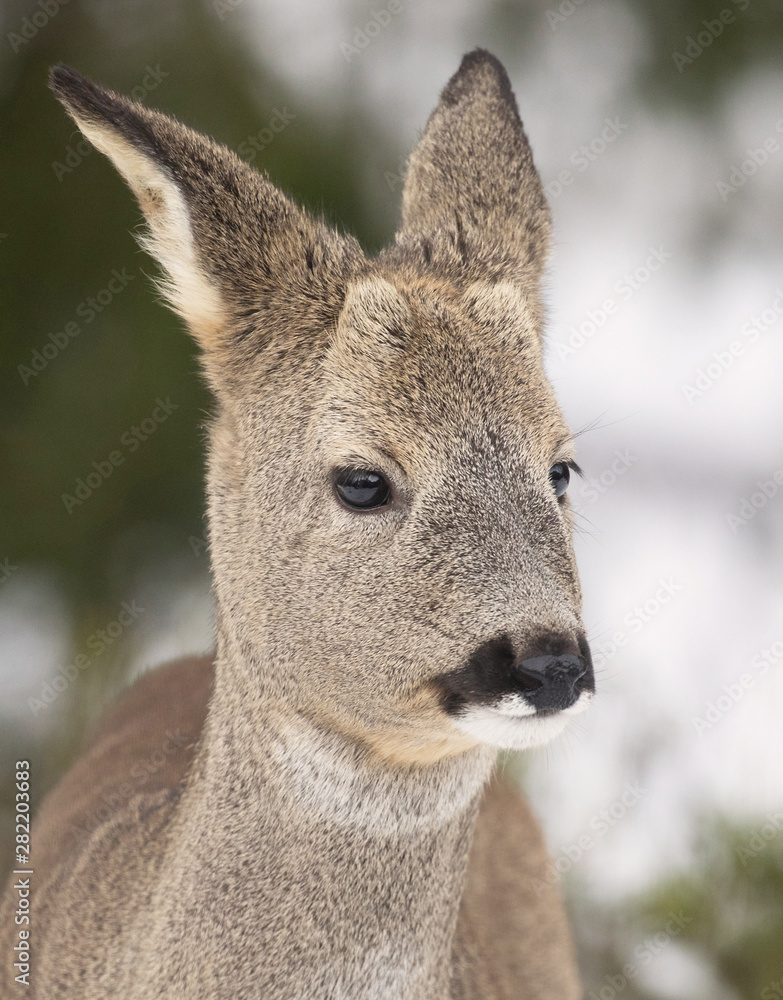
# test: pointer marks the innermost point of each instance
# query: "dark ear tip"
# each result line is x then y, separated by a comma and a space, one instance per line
479, 58
75, 91
479, 70
63, 80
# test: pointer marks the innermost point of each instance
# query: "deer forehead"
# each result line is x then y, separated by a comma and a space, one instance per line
446, 368
387, 314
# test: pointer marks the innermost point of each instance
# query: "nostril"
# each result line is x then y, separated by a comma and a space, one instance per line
529, 680
538, 664
573, 666
551, 681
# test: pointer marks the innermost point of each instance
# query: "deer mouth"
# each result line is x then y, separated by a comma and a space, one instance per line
515, 725
517, 699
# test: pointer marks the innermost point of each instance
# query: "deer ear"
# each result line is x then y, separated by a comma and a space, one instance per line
231, 245
471, 185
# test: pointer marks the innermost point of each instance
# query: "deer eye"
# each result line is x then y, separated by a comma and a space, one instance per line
361, 489
559, 476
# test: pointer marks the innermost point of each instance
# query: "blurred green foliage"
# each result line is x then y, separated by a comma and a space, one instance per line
735, 896
690, 59
730, 905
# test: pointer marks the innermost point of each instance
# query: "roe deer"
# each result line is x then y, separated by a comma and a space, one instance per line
396, 591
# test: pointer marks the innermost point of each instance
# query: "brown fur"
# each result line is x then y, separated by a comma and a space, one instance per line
507, 899
332, 836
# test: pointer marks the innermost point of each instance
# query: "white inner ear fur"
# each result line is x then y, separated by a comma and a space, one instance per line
505, 311
184, 286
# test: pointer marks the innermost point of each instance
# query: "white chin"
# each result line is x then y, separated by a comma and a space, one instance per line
512, 724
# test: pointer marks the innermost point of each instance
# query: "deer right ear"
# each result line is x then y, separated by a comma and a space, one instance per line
471, 186
230, 243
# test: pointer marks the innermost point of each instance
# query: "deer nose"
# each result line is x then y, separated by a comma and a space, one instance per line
551, 682
549, 673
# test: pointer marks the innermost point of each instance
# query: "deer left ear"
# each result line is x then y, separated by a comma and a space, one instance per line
231, 244
471, 183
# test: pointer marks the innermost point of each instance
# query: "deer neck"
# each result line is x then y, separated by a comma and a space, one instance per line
317, 869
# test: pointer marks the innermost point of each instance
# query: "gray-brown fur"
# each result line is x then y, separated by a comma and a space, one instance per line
325, 840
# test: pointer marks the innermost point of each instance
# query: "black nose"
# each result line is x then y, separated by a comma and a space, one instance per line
550, 672
551, 682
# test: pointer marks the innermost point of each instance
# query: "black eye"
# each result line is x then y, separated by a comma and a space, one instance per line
361, 489
560, 476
